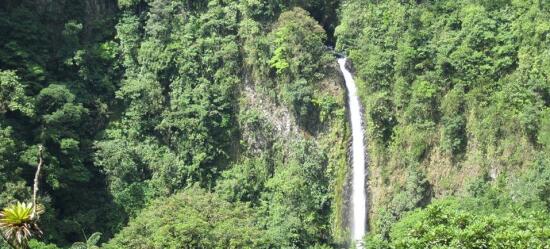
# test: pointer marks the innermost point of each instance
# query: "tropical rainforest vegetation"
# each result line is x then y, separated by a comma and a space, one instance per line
222, 124
457, 97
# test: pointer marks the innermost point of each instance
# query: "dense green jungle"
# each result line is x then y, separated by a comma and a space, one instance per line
153, 124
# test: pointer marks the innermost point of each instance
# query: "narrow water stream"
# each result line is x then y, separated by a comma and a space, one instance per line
358, 194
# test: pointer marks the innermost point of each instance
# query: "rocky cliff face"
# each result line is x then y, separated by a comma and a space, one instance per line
281, 119
266, 122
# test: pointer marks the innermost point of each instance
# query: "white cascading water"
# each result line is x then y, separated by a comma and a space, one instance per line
358, 194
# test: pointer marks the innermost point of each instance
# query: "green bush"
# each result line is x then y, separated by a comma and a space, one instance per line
444, 224
192, 219
299, 58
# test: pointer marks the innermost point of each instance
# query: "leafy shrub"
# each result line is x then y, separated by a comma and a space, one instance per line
299, 58
192, 219
444, 224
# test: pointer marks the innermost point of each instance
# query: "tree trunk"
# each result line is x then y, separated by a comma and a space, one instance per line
36, 180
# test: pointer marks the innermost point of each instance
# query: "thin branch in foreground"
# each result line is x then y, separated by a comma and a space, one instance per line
36, 180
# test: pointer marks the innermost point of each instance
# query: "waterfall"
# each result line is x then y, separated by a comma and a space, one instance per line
358, 194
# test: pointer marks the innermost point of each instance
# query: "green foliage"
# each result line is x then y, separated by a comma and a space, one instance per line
127, 3
91, 242
137, 103
454, 123
192, 219
180, 77
532, 189
414, 193
34, 244
544, 132
299, 58
383, 118
445, 224
298, 46
57, 83
296, 199
16, 214
12, 94
181, 70
300, 96
18, 225
12, 187
453, 89
452, 60
245, 181
287, 183
327, 106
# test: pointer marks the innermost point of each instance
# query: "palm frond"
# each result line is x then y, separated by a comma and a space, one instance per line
79, 245
94, 239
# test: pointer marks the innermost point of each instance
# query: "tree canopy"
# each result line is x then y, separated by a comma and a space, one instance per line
223, 124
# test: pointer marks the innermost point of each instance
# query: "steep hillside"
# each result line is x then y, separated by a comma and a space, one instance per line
457, 99
223, 123
139, 101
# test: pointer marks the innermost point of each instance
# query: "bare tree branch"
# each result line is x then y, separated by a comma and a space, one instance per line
36, 179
